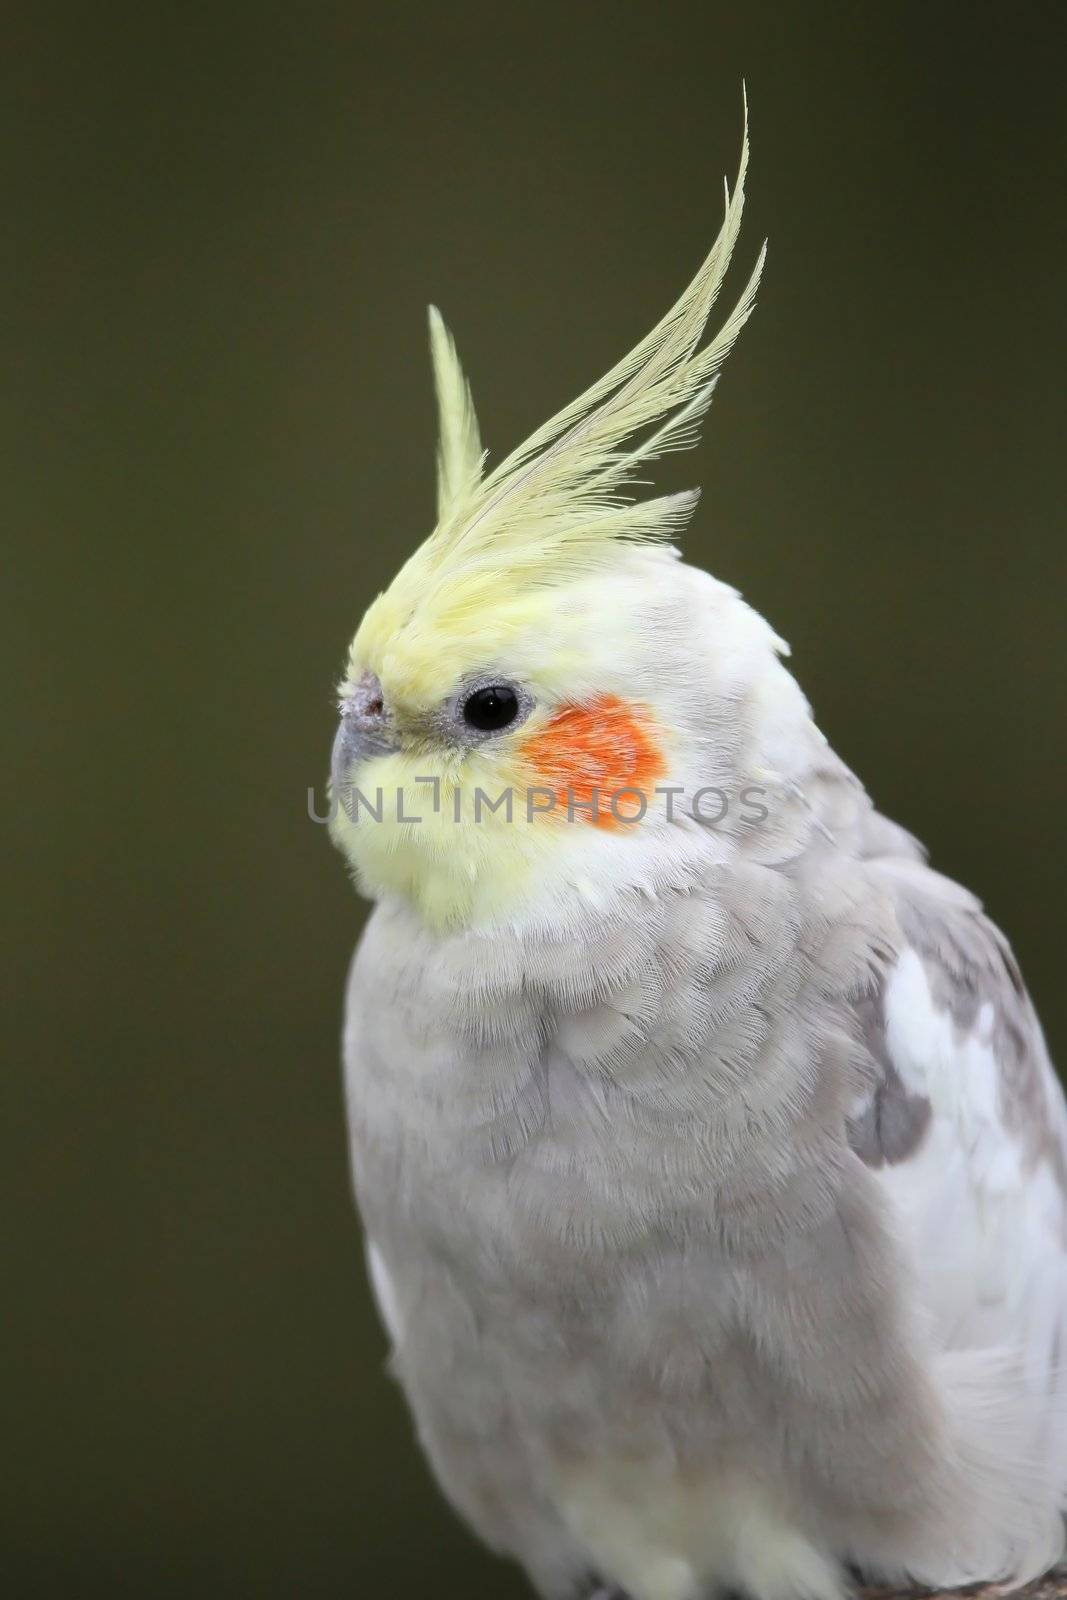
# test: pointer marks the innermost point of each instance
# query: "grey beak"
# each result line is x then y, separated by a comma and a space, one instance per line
364, 731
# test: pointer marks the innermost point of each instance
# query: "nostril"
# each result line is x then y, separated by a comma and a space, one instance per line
369, 701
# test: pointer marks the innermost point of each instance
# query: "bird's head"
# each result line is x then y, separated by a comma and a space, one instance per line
544, 668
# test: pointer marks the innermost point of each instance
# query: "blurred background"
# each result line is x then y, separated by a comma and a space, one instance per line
223, 225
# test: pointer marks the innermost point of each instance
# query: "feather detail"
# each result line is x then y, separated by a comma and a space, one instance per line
562, 494
459, 442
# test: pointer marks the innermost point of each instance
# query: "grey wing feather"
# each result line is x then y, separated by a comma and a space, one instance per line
966, 1126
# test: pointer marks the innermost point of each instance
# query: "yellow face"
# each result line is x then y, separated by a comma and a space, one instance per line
466, 761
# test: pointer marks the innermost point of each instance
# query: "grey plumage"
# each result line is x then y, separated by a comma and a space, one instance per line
619, 1176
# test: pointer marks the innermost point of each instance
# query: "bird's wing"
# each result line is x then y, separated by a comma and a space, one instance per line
967, 1128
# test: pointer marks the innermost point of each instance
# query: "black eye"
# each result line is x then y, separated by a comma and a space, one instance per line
491, 708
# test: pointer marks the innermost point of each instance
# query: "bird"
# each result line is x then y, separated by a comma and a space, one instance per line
711, 1164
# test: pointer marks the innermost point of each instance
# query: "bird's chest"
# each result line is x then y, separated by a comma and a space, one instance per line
537, 1111
550, 1125
479, 1144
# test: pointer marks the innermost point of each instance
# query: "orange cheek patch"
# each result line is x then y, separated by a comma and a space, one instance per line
606, 746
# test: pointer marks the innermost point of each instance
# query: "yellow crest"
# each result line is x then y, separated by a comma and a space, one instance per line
555, 507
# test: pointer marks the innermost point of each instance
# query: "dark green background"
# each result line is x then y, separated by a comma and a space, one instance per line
218, 429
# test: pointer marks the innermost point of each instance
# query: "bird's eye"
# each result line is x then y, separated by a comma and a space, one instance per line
491, 708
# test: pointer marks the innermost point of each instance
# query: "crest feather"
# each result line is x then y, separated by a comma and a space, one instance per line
459, 442
558, 504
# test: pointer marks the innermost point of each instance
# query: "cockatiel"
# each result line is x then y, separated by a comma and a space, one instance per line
713, 1169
